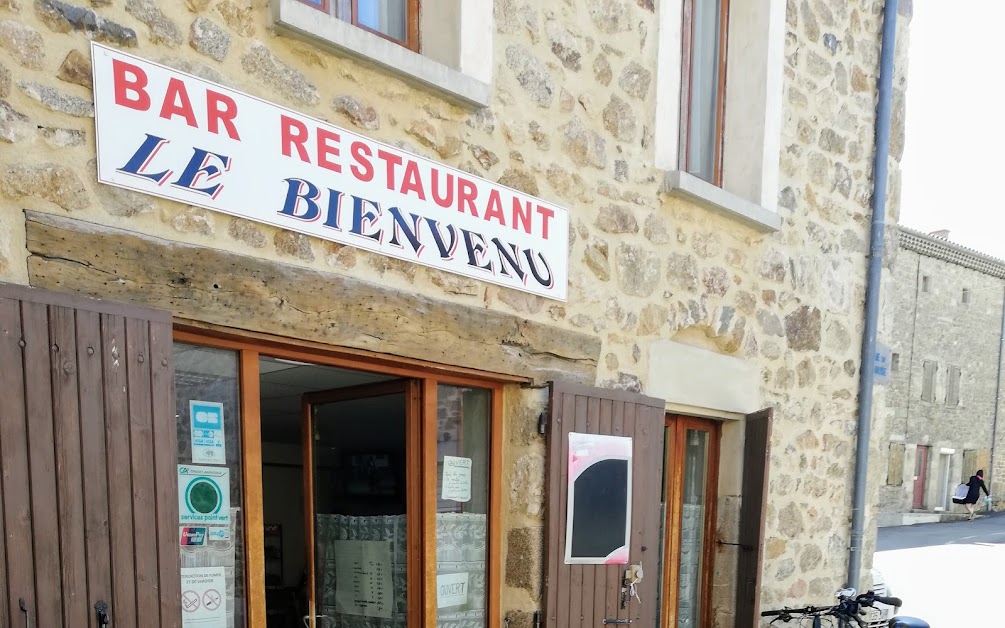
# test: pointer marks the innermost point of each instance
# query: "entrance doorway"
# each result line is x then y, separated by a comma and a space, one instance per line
920, 477
351, 467
690, 493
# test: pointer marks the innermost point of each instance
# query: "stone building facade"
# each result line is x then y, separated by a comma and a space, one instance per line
721, 302
946, 305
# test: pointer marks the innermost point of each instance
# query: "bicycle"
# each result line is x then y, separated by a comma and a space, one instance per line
847, 610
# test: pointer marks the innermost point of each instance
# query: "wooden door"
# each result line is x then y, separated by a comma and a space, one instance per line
753, 505
920, 477
88, 450
581, 595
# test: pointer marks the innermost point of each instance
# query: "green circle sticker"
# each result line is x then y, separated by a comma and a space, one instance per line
203, 496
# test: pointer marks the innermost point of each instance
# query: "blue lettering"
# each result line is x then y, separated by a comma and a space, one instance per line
476, 250
199, 165
142, 158
361, 219
301, 190
409, 228
446, 251
546, 282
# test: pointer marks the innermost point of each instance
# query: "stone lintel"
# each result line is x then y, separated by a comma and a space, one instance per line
246, 293
685, 185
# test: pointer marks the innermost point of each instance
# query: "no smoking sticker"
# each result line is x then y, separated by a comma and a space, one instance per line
202, 601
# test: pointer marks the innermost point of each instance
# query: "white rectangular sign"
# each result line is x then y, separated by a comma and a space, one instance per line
456, 479
209, 445
203, 601
451, 590
203, 495
173, 135
363, 584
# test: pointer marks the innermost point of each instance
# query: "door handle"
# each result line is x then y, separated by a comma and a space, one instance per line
24, 609
102, 612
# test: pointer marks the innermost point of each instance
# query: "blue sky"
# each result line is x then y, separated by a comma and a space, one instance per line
952, 166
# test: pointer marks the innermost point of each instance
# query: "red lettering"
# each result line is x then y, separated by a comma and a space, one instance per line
225, 113
289, 138
521, 214
177, 103
466, 195
412, 182
390, 160
446, 200
130, 81
495, 210
325, 149
361, 154
546, 215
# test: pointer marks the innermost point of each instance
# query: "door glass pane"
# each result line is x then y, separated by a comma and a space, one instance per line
384, 16
703, 111
692, 528
207, 396
360, 536
462, 482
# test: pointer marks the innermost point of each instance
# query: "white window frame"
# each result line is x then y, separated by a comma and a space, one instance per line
753, 112
453, 59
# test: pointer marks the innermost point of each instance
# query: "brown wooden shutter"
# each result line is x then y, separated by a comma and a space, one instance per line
586, 595
753, 505
88, 451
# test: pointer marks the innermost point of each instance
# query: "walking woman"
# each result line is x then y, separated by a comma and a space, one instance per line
974, 487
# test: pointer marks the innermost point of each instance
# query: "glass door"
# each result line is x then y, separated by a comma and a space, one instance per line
357, 449
691, 487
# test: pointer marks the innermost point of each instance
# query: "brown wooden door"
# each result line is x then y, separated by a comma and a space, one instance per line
753, 504
920, 477
580, 595
88, 450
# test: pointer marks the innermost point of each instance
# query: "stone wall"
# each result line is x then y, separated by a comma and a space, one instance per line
571, 120
938, 326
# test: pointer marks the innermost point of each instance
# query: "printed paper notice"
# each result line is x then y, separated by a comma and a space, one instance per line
451, 590
208, 443
203, 495
456, 479
202, 597
363, 578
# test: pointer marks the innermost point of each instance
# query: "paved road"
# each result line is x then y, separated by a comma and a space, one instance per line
950, 574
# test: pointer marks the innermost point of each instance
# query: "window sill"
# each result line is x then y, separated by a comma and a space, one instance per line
301, 20
684, 185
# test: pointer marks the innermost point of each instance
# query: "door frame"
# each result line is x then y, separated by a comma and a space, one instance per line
676, 426
422, 400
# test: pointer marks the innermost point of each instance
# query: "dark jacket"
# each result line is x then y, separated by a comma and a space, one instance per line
975, 485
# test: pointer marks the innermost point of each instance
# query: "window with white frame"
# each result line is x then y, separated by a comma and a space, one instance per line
717, 132
439, 45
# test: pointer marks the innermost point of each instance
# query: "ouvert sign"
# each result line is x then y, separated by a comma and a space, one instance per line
176, 136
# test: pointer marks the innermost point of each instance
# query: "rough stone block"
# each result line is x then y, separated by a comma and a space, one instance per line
209, 38
56, 100
14, 125
23, 43
76, 69
524, 558
284, 79
63, 17
162, 28
49, 181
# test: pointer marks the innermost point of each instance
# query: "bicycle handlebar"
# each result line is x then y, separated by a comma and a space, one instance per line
891, 601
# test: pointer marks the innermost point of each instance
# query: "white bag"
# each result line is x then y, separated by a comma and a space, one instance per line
961, 491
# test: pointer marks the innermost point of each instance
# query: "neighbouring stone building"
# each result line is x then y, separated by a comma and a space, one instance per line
715, 266
945, 305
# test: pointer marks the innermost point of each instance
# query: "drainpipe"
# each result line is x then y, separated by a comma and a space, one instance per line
872, 289
998, 392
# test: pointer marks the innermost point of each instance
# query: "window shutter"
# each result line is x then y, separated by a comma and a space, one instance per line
88, 449
585, 595
756, 457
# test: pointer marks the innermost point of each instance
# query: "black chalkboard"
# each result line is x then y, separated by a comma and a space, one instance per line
599, 510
